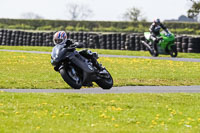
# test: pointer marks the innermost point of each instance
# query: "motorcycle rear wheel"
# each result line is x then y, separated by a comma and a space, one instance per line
154, 53
73, 80
105, 83
173, 52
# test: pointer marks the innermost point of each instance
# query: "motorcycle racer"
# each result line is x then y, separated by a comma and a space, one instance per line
60, 38
155, 31
78, 68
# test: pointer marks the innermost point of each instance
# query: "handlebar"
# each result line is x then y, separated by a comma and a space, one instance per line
77, 45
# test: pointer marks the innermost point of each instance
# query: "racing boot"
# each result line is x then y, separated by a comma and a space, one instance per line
101, 69
97, 65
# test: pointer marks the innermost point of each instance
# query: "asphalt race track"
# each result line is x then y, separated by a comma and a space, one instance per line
127, 89
117, 56
115, 90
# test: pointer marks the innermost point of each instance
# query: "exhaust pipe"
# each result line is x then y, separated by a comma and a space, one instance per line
147, 45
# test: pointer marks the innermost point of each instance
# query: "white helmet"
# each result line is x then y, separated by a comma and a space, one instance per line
59, 37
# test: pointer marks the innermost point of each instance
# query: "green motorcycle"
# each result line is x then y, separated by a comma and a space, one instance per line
165, 44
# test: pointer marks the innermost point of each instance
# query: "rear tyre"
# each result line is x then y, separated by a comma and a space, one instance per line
173, 51
153, 53
71, 78
105, 83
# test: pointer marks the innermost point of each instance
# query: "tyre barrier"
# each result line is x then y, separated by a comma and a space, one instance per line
115, 41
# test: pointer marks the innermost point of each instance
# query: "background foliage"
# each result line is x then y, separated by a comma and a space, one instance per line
95, 26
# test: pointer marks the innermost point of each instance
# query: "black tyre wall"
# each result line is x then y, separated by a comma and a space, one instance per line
120, 41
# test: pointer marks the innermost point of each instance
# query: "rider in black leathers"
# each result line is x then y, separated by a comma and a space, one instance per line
60, 38
155, 32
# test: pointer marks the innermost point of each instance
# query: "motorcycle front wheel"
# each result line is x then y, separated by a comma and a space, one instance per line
71, 78
107, 82
173, 52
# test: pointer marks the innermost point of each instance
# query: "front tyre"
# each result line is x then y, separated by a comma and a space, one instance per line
71, 78
173, 52
105, 82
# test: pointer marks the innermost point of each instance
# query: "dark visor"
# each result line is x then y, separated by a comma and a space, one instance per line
57, 41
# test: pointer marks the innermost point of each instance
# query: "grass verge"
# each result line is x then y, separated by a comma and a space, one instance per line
101, 51
27, 70
154, 113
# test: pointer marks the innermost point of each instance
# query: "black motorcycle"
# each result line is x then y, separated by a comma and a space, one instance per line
76, 67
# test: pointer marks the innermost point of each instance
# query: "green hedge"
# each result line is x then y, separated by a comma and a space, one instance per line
96, 26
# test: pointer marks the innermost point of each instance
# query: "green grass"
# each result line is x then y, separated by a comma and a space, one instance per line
149, 113
102, 51
28, 48
27, 70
